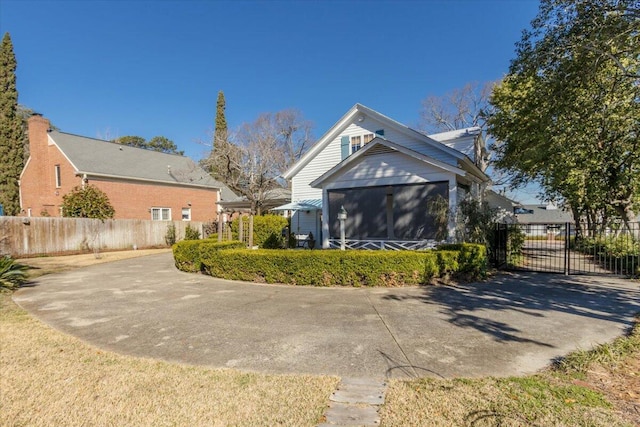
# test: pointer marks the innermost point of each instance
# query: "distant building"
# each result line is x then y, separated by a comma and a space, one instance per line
140, 184
541, 220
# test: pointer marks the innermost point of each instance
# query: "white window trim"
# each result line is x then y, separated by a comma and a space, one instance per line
182, 214
160, 211
58, 176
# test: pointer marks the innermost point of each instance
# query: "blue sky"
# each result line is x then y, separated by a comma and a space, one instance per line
147, 68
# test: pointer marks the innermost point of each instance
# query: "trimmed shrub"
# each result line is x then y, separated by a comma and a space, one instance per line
263, 227
191, 233
188, 253
472, 259
319, 268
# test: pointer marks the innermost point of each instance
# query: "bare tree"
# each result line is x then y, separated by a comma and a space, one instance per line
460, 108
257, 154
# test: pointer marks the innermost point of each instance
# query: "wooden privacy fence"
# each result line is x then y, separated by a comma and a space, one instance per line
23, 236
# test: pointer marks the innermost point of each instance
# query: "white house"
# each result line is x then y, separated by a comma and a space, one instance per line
385, 174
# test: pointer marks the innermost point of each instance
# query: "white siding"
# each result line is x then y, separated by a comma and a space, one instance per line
331, 155
387, 169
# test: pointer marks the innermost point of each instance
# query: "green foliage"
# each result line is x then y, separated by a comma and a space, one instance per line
191, 233
472, 259
170, 237
187, 253
567, 113
87, 202
274, 241
12, 274
438, 208
476, 222
334, 268
263, 227
620, 253
221, 120
11, 131
157, 143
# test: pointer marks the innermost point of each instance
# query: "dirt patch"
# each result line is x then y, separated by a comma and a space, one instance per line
621, 385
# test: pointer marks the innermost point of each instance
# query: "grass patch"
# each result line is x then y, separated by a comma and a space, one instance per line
589, 388
49, 378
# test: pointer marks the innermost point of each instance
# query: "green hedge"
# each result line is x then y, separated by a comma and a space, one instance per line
319, 268
330, 267
263, 227
472, 259
187, 254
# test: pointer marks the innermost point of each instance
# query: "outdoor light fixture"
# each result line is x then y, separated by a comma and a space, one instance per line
342, 216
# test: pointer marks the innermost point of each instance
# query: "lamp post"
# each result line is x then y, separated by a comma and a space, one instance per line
342, 216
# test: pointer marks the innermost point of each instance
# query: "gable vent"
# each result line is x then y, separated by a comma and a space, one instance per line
380, 149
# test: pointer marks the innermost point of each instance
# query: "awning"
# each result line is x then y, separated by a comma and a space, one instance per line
302, 205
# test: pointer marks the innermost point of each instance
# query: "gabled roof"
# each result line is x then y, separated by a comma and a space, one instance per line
374, 146
542, 214
347, 119
99, 158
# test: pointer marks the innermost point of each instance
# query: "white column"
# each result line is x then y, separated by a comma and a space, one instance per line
453, 205
325, 219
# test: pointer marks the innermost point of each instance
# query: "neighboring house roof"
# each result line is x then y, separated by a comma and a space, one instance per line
542, 214
349, 117
99, 158
456, 139
275, 197
374, 146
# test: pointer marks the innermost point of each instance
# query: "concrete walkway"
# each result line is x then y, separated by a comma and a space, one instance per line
512, 325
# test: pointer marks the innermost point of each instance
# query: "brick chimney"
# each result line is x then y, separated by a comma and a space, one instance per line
38, 130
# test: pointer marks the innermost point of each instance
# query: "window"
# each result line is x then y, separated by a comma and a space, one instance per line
356, 143
58, 179
368, 138
186, 214
161, 214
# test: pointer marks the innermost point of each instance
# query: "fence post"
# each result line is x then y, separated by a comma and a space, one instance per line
567, 252
220, 231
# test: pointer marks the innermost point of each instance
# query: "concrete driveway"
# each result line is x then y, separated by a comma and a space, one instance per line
514, 324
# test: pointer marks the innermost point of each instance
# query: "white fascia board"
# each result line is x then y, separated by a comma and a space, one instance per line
347, 119
63, 153
475, 171
25, 167
317, 183
329, 136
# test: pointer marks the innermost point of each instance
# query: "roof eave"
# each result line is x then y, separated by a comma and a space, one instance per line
133, 178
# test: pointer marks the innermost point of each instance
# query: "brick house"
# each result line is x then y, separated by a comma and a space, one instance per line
140, 184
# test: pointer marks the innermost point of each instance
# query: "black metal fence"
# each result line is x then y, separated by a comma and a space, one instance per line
569, 249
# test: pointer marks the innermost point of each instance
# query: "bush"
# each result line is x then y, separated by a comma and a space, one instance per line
12, 274
274, 241
170, 237
263, 227
319, 268
187, 253
348, 268
191, 233
471, 261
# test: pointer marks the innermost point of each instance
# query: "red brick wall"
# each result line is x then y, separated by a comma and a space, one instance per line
134, 200
130, 199
38, 182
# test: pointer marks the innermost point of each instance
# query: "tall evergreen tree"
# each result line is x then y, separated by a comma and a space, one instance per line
223, 160
11, 131
221, 120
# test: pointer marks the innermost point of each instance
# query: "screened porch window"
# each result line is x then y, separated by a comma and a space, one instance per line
387, 212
